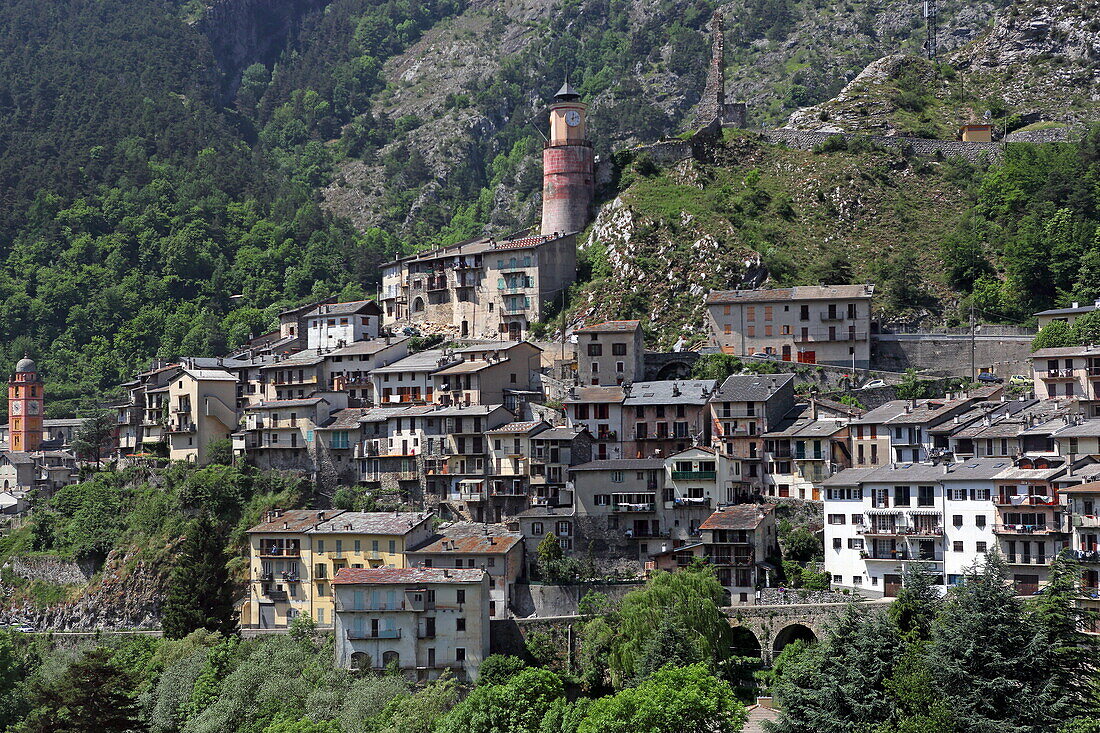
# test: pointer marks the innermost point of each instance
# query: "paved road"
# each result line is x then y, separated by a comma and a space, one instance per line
757, 716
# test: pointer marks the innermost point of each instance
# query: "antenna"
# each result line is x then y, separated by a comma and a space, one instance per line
930, 18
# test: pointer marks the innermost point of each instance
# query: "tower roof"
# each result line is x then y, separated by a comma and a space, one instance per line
26, 364
567, 93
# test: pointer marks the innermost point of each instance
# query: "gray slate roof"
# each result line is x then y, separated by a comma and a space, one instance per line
751, 387
672, 392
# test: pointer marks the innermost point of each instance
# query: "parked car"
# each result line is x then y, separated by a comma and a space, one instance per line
990, 378
765, 355
1020, 380
874, 384
23, 628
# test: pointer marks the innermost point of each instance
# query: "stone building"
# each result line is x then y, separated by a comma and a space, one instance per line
610, 353
667, 417
333, 325
744, 408
814, 324
481, 289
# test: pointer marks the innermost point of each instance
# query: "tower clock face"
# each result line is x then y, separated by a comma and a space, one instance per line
572, 118
32, 407
17, 408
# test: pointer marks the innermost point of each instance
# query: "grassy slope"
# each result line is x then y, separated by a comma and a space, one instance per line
692, 226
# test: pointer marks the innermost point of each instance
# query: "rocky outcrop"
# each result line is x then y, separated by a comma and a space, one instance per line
51, 569
243, 32
127, 595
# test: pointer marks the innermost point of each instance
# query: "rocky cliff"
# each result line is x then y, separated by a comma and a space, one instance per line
1039, 63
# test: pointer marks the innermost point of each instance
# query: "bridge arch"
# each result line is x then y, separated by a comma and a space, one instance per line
788, 634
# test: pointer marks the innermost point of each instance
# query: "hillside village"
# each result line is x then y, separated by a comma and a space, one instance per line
484, 442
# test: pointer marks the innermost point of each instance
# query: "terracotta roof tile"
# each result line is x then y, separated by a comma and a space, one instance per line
742, 516
404, 576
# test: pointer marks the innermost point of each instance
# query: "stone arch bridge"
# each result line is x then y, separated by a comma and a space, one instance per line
767, 629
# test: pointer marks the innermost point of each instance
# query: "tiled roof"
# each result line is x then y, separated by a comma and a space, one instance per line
275, 404
595, 394
344, 309
751, 387
742, 516
621, 464
800, 292
611, 327
295, 520
395, 523
364, 348
423, 361
405, 576
210, 375
1068, 311
346, 419
518, 428
493, 544
674, 392
1092, 487
466, 367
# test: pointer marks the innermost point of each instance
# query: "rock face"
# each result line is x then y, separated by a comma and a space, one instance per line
242, 32
127, 595
1042, 59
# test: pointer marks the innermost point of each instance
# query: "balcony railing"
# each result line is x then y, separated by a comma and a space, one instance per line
690, 501
648, 506
897, 555
373, 634
188, 427
1018, 559
1000, 528
1086, 520
1035, 500
834, 316
901, 531
1056, 374
280, 551
1089, 556
694, 475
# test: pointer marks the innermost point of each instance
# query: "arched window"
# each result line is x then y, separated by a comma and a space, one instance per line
360, 660
390, 657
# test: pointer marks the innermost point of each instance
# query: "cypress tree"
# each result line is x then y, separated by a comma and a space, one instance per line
199, 591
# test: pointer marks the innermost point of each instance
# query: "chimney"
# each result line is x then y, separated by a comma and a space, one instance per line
1076, 304
286, 525
446, 573
321, 516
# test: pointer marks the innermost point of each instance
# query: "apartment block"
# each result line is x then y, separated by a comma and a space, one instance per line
668, 417
744, 408
737, 542
610, 353
491, 548
409, 380
1069, 373
808, 324
333, 325
801, 452
480, 289
424, 621
488, 374
600, 411
200, 408
281, 434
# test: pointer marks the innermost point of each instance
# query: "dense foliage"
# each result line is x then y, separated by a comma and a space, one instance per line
948, 665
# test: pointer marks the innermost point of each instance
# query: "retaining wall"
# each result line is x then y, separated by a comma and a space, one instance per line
51, 569
973, 152
541, 601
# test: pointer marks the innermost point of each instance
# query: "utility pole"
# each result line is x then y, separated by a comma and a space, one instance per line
930, 17
973, 369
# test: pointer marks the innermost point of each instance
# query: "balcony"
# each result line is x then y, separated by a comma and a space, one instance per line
373, 607
1034, 500
283, 577
353, 634
832, 316
438, 282
513, 309
694, 475
898, 555
187, 427
1056, 374
275, 551
804, 456
648, 506
471, 496
897, 531
1089, 556
1085, 520
1028, 529
607, 435
684, 501
820, 336
1016, 559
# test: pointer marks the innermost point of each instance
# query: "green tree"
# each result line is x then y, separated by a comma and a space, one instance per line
553, 565
918, 705
982, 646
517, 706
692, 599
914, 609
801, 545
715, 366
1054, 335
12, 672
92, 694
674, 700
94, 435
669, 645
200, 595
497, 669
840, 684
220, 452
1086, 329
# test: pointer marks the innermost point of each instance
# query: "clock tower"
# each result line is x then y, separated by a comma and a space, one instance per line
25, 407
567, 166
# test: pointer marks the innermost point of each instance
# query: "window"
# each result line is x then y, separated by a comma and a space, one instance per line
603, 499
957, 520
320, 545
393, 546
855, 543
595, 349
460, 596
925, 496
957, 546
804, 312
979, 521
460, 624
563, 529
857, 580
358, 545
981, 495
857, 519
901, 496
981, 547
616, 477
460, 654
618, 349
837, 543
536, 528
957, 495
836, 519
838, 579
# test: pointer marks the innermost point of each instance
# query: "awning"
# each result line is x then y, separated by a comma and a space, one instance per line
926, 512
879, 511
472, 481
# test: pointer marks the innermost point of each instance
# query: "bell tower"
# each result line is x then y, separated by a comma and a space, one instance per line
25, 407
567, 166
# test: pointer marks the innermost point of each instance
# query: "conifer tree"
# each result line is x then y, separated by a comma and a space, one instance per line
915, 606
93, 694
199, 591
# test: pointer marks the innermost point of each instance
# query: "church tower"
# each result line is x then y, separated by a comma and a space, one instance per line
567, 166
25, 407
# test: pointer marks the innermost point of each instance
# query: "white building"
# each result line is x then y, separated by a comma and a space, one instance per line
879, 519
423, 620
332, 325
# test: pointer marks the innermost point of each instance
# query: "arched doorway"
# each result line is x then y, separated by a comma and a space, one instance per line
743, 643
360, 660
792, 633
674, 370
418, 305
391, 657
465, 329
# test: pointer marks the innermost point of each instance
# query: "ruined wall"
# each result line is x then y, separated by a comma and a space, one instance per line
972, 152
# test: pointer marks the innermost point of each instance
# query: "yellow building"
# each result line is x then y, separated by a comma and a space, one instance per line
295, 554
976, 133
